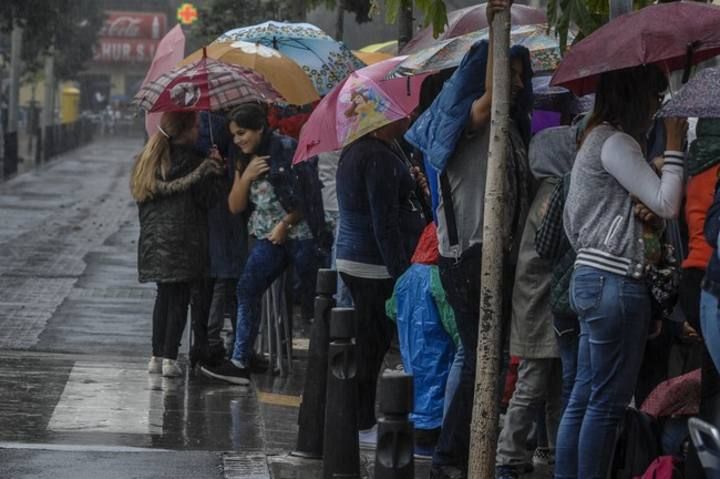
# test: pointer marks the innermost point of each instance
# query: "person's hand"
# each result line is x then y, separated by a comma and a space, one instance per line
657, 164
688, 331
420, 179
257, 167
495, 6
214, 154
644, 213
657, 329
279, 234
676, 131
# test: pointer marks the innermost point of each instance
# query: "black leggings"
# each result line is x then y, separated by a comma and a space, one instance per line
169, 318
374, 334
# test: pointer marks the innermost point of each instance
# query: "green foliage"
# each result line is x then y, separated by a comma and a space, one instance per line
71, 25
218, 16
587, 15
434, 13
360, 8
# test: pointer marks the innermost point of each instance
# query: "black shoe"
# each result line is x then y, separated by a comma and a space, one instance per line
446, 472
259, 364
228, 372
197, 356
216, 357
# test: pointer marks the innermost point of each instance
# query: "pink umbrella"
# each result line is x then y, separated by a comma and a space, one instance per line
471, 19
362, 103
170, 51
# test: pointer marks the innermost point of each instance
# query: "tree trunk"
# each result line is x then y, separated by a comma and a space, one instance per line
405, 23
340, 20
483, 429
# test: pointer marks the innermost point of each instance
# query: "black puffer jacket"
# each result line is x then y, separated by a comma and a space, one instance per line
173, 245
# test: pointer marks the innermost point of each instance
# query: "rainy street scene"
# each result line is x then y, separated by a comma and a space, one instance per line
359, 239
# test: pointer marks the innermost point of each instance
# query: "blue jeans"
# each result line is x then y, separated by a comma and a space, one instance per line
710, 324
614, 312
453, 380
264, 265
566, 332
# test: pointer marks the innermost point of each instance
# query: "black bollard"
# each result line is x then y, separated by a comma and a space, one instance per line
395, 446
341, 452
311, 419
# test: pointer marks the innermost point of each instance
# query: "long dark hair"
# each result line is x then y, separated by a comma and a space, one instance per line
626, 99
249, 116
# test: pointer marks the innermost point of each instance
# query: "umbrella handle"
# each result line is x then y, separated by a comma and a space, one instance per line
689, 54
212, 141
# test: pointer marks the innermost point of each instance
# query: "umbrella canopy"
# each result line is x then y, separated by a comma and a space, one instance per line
169, 51
206, 84
361, 104
678, 396
390, 47
470, 19
543, 45
371, 58
658, 34
326, 61
700, 97
281, 72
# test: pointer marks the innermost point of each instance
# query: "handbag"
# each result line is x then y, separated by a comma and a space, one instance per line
663, 280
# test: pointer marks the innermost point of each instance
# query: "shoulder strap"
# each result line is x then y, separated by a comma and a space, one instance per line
449, 209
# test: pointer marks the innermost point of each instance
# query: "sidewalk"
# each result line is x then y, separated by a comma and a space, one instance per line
75, 338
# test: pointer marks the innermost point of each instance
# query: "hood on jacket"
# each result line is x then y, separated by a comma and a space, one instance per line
552, 151
437, 131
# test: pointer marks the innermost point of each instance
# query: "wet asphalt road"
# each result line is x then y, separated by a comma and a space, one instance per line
75, 398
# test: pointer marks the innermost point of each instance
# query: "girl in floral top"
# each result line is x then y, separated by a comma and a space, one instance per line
264, 185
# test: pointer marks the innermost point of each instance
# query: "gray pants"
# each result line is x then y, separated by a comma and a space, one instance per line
539, 381
223, 299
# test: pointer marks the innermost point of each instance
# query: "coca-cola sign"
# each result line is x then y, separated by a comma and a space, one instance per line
134, 25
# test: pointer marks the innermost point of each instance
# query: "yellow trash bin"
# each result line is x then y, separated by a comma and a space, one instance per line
69, 104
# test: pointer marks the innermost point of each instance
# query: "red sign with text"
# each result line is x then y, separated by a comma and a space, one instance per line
151, 26
130, 37
118, 50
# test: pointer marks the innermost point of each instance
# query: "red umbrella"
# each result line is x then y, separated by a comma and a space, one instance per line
671, 35
204, 85
468, 20
678, 396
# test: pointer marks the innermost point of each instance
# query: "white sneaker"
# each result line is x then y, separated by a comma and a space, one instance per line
155, 365
368, 437
171, 368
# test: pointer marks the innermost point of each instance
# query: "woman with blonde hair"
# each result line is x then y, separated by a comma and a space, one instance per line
172, 185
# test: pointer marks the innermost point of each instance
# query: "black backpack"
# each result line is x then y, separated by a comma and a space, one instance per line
637, 446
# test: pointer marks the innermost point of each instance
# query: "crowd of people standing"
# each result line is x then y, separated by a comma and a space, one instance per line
600, 263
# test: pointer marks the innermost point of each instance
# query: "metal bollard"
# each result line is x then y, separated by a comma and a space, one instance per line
395, 447
311, 419
341, 451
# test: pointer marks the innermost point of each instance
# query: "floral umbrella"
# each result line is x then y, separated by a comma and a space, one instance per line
700, 97
543, 44
326, 61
